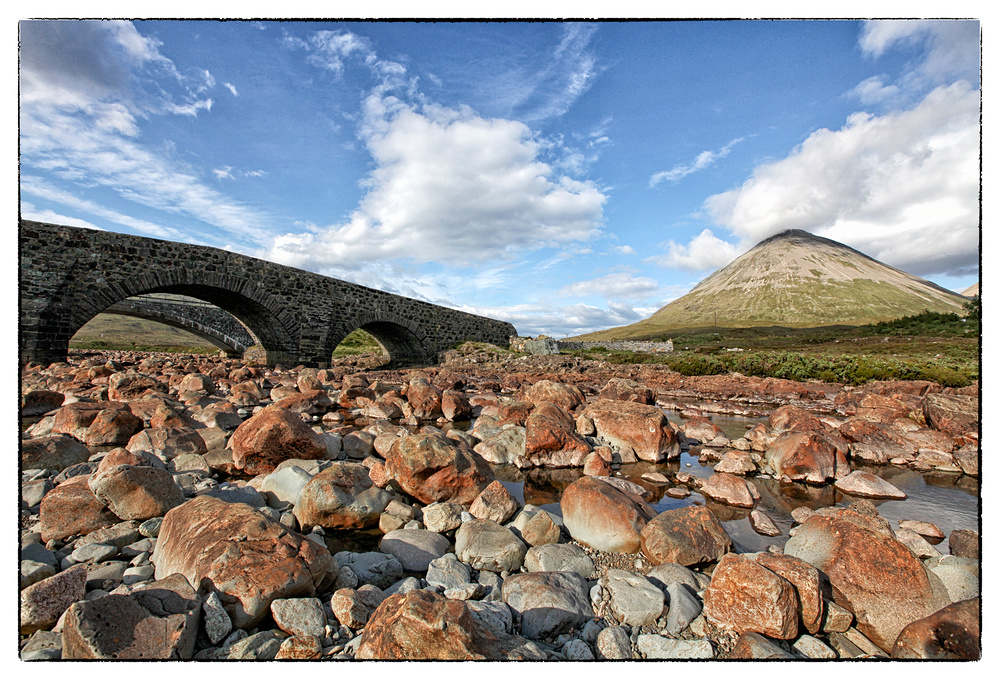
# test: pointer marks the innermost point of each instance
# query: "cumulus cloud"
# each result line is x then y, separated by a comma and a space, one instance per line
903, 187
86, 88
614, 286
705, 251
561, 322
951, 46
703, 160
450, 186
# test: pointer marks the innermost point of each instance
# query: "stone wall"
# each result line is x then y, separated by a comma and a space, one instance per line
69, 275
543, 344
204, 320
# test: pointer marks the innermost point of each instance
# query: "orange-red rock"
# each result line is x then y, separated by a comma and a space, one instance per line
550, 438
687, 536
271, 436
604, 517
746, 597
641, 427
433, 468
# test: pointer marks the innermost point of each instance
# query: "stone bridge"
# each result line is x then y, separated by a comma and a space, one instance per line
206, 321
68, 275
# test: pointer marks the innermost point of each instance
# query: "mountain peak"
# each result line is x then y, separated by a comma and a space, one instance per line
796, 278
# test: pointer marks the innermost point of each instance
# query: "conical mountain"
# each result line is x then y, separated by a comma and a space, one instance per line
971, 290
795, 279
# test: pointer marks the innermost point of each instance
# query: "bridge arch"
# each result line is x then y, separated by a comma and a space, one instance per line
261, 314
403, 340
205, 321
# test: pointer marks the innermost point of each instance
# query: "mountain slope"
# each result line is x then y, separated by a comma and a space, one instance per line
795, 279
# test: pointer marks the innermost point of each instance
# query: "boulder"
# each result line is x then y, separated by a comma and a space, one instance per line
353, 608
424, 398
158, 621
72, 508
130, 385
550, 439
136, 492
39, 402
247, 558
559, 557
730, 490
484, 544
634, 599
566, 397
807, 582
549, 602
433, 468
166, 443
622, 389
455, 406
952, 413
686, 536
952, 633
867, 485
806, 456
42, 603
271, 436
504, 447
871, 573
495, 503
640, 427
111, 427
341, 497
744, 596
604, 517
53, 452
414, 548
299, 616
371, 568
421, 625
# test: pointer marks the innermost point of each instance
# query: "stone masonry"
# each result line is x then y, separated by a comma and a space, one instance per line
68, 275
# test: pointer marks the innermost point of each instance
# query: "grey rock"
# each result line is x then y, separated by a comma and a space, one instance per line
285, 485
813, 648
657, 647
448, 572
549, 602
403, 586
684, 607
217, 622
414, 548
496, 615
136, 574
36, 552
484, 544
442, 517
613, 643
94, 552
577, 650
299, 616
238, 494
634, 600
107, 576
559, 557
375, 568
151, 527
662, 575
32, 572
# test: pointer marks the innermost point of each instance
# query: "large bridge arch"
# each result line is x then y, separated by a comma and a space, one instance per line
68, 275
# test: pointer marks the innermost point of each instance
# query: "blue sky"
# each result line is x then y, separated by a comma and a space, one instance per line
566, 177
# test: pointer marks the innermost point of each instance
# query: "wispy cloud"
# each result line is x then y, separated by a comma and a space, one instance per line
703, 160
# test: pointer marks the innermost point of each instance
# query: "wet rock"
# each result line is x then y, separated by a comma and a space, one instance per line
341, 497
433, 468
603, 517
595, 465
950, 633
423, 625
249, 559
686, 536
484, 544
872, 574
730, 490
640, 427
549, 602
763, 524
867, 485
964, 543
551, 440
271, 436
746, 597
806, 456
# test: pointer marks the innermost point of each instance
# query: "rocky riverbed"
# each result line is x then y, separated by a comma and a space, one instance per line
496, 506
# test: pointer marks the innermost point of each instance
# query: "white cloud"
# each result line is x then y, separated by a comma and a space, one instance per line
704, 252
873, 90
451, 187
625, 250
903, 187
614, 286
86, 88
703, 160
952, 46
231, 88
560, 322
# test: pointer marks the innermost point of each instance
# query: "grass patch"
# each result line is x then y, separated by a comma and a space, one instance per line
357, 342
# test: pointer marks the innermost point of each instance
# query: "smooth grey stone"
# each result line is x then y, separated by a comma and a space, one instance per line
36, 552
635, 601
238, 494
376, 568
613, 643
577, 650
414, 548
113, 571
684, 607
496, 615
151, 527
403, 586
657, 647
133, 549
448, 572
217, 623
32, 572
664, 574
559, 557
136, 574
